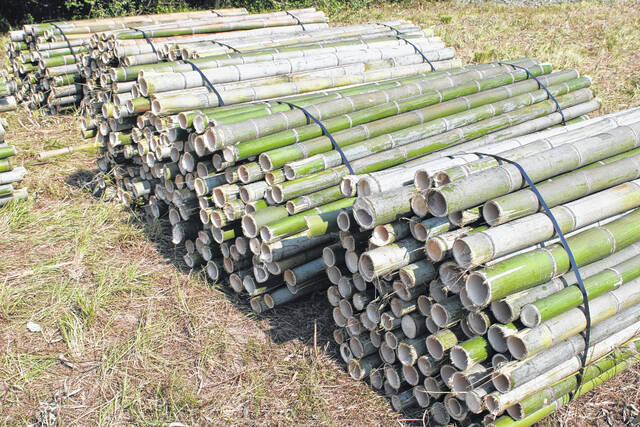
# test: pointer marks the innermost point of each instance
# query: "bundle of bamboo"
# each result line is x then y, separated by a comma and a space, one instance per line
8, 87
261, 199
58, 64
9, 175
208, 132
484, 314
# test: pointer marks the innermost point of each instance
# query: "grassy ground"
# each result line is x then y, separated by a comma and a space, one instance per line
129, 337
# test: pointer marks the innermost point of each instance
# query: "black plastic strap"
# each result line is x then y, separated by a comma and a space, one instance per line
418, 51
66, 40
325, 132
217, 13
225, 45
153, 48
572, 260
207, 82
541, 86
296, 18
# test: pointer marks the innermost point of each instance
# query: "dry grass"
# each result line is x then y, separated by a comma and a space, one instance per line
129, 337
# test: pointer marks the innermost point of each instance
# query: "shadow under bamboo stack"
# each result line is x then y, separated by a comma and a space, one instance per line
10, 176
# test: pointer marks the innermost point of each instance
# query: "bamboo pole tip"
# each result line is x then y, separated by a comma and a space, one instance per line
502, 382
420, 207
392, 376
364, 187
328, 256
473, 402
177, 234
335, 276
269, 301
290, 278
492, 212
255, 305
460, 358
439, 315
355, 370
439, 414
380, 235
460, 383
463, 254
265, 252
435, 347
406, 354
517, 347
351, 261
437, 203
422, 180
496, 339
156, 106
366, 267
492, 404
373, 311
277, 193
333, 295
454, 407
435, 249
348, 185
343, 220
530, 316
516, 411
478, 290
421, 396
261, 274
502, 311
338, 317
478, 323
363, 215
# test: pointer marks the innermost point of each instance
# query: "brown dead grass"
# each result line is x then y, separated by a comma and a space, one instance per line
130, 338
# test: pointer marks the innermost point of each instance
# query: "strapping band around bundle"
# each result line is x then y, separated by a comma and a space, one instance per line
296, 18
325, 132
226, 45
144, 34
574, 265
541, 86
66, 40
209, 85
418, 51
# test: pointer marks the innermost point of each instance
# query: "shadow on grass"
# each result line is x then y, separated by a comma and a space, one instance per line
307, 320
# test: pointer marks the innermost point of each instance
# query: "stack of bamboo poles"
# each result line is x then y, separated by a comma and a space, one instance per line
8, 87
10, 176
463, 301
52, 74
261, 200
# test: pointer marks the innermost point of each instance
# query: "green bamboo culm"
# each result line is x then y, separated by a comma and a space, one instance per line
570, 297
538, 266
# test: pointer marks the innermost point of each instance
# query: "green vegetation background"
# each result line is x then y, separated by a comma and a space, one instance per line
14, 13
